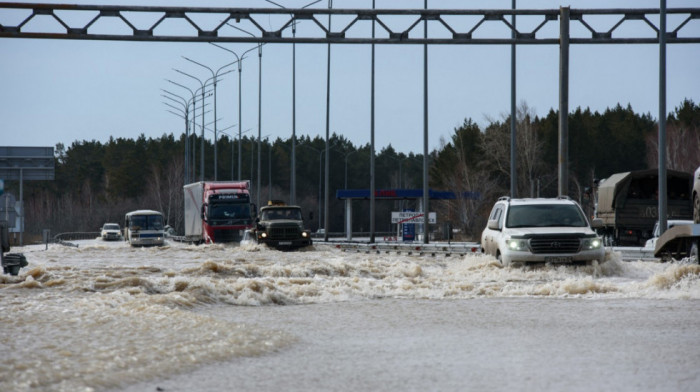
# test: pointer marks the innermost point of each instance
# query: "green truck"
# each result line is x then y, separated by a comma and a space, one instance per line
281, 226
628, 204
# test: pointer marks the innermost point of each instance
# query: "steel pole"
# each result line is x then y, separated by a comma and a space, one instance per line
663, 196
201, 152
240, 124
372, 185
426, 194
187, 140
513, 138
328, 116
320, 172
216, 162
564, 101
259, 118
293, 185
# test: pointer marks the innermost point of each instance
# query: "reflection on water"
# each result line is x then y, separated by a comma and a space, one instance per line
105, 314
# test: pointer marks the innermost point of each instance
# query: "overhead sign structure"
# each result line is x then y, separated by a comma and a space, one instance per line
27, 163
411, 217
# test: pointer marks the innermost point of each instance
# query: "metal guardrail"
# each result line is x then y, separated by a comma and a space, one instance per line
74, 236
634, 254
65, 238
447, 249
460, 249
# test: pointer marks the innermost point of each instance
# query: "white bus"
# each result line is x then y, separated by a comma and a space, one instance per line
144, 228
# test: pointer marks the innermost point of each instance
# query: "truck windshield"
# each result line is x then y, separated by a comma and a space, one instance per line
229, 211
545, 215
146, 222
282, 213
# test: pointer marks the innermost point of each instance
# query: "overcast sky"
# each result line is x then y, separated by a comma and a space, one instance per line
61, 91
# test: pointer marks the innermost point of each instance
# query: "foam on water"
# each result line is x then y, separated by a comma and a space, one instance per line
88, 317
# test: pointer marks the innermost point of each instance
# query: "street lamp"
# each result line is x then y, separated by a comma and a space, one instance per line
233, 177
320, 171
184, 114
293, 184
259, 101
203, 84
328, 124
215, 77
194, 115
239, 59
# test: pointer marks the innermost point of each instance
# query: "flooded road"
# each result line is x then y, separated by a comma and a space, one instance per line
105, 316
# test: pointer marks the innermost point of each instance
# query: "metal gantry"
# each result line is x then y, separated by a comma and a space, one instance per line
454, 28
440, 27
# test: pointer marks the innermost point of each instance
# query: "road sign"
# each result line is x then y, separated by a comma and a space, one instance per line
411, 217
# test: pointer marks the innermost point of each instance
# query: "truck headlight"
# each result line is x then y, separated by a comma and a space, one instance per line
516, 244
304, 234
592, 243
263, 235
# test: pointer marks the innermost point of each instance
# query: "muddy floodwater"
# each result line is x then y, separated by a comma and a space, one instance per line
108, 317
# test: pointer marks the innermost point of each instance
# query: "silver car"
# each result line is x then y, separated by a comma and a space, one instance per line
541, 231
111, 231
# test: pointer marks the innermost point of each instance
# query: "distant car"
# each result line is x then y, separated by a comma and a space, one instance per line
541, 230
651, 242
111, 231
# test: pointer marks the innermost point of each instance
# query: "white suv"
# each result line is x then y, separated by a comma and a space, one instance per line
541, 231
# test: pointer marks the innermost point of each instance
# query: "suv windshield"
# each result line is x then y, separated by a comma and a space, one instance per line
545, 215
111, 227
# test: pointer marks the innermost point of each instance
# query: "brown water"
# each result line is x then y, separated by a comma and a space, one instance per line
105, 316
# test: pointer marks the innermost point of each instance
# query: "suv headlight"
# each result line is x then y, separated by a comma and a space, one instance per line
517, 244
591, 243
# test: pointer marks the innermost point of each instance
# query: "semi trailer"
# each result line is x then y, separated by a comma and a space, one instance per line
218, 211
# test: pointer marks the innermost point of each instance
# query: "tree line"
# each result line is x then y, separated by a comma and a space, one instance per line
99, 182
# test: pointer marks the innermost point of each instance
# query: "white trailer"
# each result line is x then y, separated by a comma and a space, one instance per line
217, 211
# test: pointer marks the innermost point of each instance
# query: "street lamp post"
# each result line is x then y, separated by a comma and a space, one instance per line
215, 78
194, 115
203, 84
240, 100
184, 114
259, 102
328, 118
320, 172
293, 184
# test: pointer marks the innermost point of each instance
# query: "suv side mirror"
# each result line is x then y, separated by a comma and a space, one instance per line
493, 224
596, 223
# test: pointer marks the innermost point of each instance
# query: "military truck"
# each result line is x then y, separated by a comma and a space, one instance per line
280, 226
683, 241
628, 204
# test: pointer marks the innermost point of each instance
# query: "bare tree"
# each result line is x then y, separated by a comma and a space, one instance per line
682, 147
530, 167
